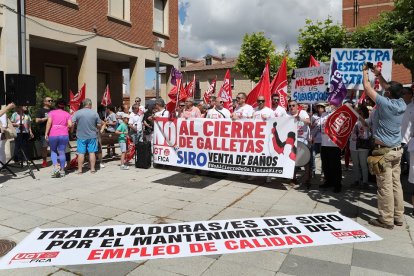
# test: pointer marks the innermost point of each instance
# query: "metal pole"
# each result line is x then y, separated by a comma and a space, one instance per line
157, 77
21, 28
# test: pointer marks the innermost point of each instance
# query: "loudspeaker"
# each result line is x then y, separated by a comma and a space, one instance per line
21, 89
2, 92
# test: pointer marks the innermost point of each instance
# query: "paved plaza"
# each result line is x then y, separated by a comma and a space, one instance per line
163, 195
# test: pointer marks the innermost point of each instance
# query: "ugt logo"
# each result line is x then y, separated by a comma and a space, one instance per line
341, 124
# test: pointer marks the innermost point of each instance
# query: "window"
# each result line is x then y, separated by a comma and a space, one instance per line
54, 78
208, 61
232, 83
197, 92
183, 63
119, 9
160, 16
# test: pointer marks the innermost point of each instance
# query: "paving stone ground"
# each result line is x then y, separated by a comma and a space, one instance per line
162, 195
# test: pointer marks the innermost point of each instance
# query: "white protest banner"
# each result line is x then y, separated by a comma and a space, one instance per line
310, 84
122, 243
351, 61
261, 148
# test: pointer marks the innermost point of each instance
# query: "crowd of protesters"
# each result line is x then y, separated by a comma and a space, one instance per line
386, 119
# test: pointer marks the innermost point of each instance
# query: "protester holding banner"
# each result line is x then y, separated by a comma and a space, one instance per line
316, 133
243, 110
218, 111
262, 112
278, 110
390, 109
303, 121
180, 109
190, 111
331, 158
360, 150
160, 111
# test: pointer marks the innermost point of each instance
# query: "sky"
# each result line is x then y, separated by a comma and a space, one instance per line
217, 27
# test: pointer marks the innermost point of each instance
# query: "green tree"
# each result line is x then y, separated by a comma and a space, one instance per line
393, 29
255, 50
317, 39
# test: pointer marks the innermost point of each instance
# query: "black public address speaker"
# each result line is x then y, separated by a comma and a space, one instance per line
21, 89
2, 92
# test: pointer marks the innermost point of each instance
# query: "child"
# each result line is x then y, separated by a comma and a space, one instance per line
122, 130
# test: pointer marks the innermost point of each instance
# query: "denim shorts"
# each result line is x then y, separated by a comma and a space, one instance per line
123, 147
87, 145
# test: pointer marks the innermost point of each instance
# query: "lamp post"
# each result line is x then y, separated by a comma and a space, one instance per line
157, 51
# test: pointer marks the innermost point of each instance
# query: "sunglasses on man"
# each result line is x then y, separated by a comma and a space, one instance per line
275, 100
260, 101
292, 105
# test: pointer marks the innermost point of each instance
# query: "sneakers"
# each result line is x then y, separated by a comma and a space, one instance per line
123, 167
44, 164
62, 173
55, 173
398, 223
101, 166
376, 222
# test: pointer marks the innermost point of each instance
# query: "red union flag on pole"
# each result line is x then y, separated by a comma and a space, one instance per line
279, 84
225, 91
106, 98
261, 89
340, 124
75, 100
209, 92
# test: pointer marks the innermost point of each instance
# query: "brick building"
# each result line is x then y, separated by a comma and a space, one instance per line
209, 68
72, 42
357, 13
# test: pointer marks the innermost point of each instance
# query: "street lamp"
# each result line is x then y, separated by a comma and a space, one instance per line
157, 51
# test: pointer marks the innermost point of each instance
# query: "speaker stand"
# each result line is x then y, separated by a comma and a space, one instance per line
6, 167
25, 163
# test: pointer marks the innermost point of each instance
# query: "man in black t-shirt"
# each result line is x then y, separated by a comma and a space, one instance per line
41, 120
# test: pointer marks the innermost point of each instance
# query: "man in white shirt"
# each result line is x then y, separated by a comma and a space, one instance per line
135, 123
243, 110
161, 112
303, 121
262, 112
278, 110
218, 111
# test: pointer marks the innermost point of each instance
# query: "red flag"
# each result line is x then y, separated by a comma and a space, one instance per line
175, 97
362, 98
279, 84
209, 92
261, 89
75, 100
313, 62
225, 92
106, 98
340, 125
190, 88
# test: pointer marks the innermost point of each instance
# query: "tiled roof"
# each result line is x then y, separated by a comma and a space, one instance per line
201, 66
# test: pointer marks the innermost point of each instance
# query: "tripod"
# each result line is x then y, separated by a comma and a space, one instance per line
24, 162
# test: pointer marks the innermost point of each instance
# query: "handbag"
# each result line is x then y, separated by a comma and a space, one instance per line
8, 132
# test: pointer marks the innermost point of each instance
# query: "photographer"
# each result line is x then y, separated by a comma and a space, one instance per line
22, 122
387, 135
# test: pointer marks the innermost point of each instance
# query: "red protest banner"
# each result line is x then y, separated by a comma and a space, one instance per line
340, 124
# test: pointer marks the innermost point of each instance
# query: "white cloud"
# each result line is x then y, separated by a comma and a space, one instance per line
217, 26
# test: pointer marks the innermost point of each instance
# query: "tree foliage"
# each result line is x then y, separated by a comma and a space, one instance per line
255, 50
317, 39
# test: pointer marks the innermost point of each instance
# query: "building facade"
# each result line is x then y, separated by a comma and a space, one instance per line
72, 42
358, 13
207, 69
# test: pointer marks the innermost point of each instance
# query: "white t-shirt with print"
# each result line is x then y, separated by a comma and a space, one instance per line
263, 114
303, 129
218, 114
280, 111
245, 111
326, 141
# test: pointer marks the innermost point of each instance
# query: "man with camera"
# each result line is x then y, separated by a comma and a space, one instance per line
390, 110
